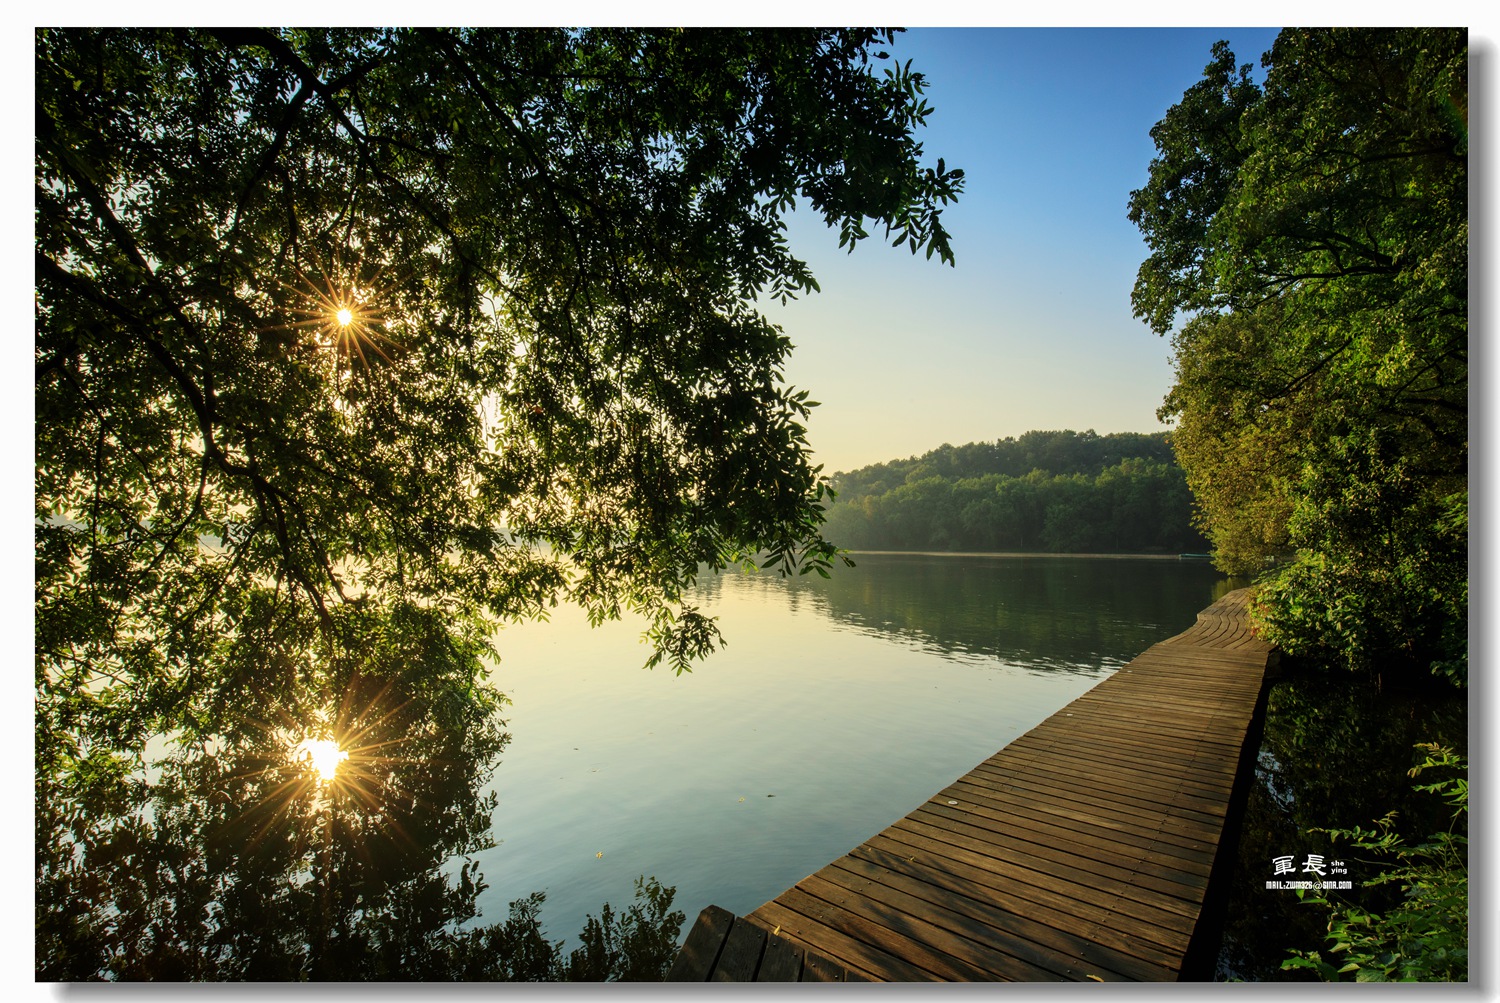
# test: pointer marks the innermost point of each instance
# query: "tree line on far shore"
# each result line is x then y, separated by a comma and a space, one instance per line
1044, 491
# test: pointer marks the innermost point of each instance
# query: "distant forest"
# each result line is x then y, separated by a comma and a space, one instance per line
1057, 492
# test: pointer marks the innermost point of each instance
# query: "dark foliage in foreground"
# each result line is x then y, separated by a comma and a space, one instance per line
352, 346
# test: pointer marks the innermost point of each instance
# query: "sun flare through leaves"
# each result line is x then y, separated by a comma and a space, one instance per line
322, 755
344, 315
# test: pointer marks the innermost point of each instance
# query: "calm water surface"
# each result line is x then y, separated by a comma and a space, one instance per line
836, 708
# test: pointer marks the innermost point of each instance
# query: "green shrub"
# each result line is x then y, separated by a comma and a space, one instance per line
1425, 937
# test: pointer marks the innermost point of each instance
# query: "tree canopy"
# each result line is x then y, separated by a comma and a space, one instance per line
354, 344
1313, 230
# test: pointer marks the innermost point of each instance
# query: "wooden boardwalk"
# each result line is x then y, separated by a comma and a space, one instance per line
1081, 851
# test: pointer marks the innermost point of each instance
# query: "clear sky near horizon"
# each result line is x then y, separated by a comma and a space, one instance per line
1032, 329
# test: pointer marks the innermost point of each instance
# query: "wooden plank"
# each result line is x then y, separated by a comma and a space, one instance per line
1103, 714
1075, 824
1212, 754
878, 913
1163, 765
1207, 637
1174, 688
1189, 662
816, 968
1082, 850
817, 937
1164, 703
833, 920
1132, 707
1160, 783
1061, 868
696, 959
1144, 782
1041, 905
781, 962
824, 971
1161, 706
1079, 858
1172, 929
1165, 768
1085, 839
1175, 774
988, 924
1068, 788
1112, 791
1166, 762
1130, 712
741, 955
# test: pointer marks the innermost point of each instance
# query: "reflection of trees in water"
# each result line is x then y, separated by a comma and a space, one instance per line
1048, 613
1334, 755
304, 399
237, 861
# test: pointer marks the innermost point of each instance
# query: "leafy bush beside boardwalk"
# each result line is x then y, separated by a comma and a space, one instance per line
1425, 936
1309, 237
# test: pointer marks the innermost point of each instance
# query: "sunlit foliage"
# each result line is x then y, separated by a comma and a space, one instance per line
352, 345
1314, 231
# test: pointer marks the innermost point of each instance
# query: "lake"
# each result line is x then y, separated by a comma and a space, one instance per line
836, 708
252, 853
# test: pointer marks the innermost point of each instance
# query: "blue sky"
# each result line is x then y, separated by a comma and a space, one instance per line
1033, 327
